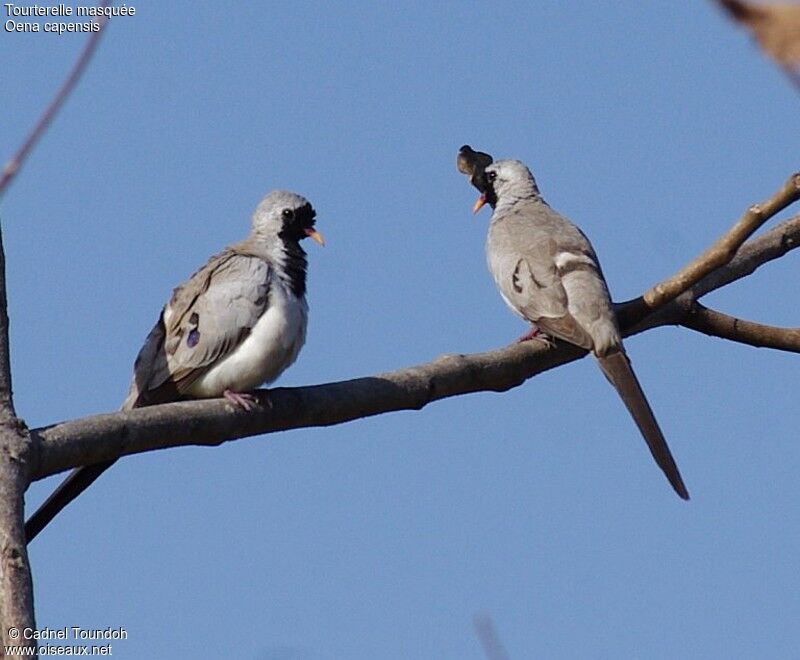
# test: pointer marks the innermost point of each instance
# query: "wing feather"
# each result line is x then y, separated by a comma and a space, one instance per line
205, 320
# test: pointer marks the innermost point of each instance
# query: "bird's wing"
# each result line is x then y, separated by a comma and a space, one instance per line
206, 319
523, 260
552, 277
541, 297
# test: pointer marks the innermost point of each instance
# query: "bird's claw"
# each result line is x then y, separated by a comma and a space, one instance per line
243, 400
537, 334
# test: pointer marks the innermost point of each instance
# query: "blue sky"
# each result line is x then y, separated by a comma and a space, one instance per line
651, 125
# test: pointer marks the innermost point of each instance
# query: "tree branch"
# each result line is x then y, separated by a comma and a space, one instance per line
717, 324
16, 447
13, 166
489, 639
771, 245
16, 586
716, 256
725, 248
212, 422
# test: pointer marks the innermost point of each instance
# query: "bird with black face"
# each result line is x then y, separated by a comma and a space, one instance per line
548, 273
236, 323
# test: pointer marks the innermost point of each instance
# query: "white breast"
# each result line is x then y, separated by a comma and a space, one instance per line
271, 347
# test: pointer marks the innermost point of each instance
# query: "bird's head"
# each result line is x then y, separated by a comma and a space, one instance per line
286, 215
495, 180
506, 179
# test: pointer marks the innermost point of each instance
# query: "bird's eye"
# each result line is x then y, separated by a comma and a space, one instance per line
288, 214
491, 176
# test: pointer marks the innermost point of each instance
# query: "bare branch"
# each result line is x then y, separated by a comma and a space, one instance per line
489, 639
717, 324
212, 422
721, 252
16, 587
13, 166
773, 244
757, 251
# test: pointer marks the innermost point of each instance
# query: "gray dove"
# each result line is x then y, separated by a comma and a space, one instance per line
548, 273
238, 322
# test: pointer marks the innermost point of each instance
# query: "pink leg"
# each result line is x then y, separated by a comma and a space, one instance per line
535, 333
242, 399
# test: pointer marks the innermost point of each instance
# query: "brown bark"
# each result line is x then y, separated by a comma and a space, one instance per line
212, 422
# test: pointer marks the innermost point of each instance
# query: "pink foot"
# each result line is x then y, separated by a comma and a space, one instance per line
241, 399
535, 333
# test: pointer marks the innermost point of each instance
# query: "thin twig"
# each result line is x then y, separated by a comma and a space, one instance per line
713, 259
16, 584
716, 324
17, 160
724, 249
771, 245
488, 637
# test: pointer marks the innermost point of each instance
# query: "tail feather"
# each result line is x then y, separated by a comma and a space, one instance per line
617, 369
77, 482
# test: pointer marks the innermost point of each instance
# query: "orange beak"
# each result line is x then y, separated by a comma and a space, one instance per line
479, 204
314, 235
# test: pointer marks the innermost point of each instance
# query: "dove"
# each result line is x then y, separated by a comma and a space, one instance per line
238, 322
548, 273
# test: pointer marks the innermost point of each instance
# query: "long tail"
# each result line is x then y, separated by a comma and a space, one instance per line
77, 482
617, 369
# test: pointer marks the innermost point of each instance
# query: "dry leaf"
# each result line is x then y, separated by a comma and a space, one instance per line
776, 27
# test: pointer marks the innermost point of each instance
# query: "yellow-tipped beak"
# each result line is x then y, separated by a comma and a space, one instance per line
479, 204
314, 235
